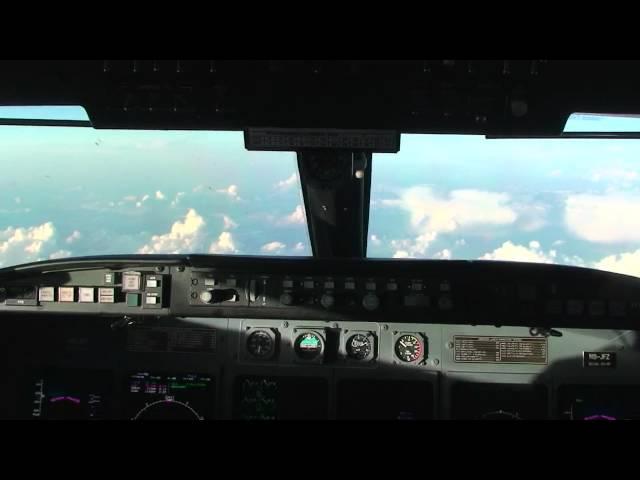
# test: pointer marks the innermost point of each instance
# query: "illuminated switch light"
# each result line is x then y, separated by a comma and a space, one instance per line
106, 295
130, 281
87, 295
46, 294
66, 294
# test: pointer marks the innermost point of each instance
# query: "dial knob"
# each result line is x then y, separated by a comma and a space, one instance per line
206, 296
286, 299
370, 302
327, 301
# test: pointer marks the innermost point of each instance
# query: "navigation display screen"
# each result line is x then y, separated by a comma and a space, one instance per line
506, 401
280, 398
593, 402
360, 399
184, 396
69, 395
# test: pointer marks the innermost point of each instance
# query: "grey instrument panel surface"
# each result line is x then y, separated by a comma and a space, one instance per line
86, 347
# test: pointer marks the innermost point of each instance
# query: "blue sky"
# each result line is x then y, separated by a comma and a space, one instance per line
78, 191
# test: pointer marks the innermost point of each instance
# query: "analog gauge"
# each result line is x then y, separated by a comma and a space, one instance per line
308, 346
409, 348
359, 346
261, 344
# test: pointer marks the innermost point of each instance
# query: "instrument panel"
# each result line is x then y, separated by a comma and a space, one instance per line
178, 338
263, 369
447, 292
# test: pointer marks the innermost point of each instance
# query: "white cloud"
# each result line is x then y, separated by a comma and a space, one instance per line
574, 260
18, 200
138, 204
375, 240
558, 243
619, 175
130, 198
413, 247
519, 253
224, 244
299, 247
76, 235
296, 217
185, 236
443, 254
433, 214
627, 263
228, 223
176, 200
289, 182
159, 195
272, 247
462, 208
145, 198
20, 245
611, 218
461, 242
60, 254
231, 191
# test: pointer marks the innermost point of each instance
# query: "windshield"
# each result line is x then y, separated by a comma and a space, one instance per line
68, 191
563, 201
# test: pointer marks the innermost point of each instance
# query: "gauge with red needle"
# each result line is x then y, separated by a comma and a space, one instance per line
409, 348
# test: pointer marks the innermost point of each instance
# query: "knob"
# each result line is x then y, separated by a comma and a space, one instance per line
327, 301
286, 299
370, 302
206, 296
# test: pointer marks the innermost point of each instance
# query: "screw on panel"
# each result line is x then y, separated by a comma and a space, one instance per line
181, 268
385, 327
449, 345
436, 362
160, 269
285, 324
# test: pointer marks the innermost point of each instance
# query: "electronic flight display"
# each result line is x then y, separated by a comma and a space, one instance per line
491, 401
71, 395
170, 397
360, 399
599, 402
280, 398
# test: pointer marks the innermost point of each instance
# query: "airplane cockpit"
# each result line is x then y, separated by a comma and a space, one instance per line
319, 240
